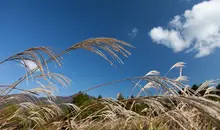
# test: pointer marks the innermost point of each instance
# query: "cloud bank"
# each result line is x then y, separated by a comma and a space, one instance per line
196, 30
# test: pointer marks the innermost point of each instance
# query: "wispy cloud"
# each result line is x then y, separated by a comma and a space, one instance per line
185, 0
196, 30
133, 33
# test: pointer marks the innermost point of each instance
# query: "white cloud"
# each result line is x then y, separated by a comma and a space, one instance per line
197, 30
133, 33
30, 64
169, 38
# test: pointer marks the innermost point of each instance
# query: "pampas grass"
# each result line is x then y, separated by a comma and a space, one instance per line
32, 113
171, 105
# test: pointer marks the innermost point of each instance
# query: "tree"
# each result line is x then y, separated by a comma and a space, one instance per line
218, 87
81, 98
218, 90
202, 92
100, 96
120, 97
195, 87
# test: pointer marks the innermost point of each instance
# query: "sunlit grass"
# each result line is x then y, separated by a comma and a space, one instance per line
172, 105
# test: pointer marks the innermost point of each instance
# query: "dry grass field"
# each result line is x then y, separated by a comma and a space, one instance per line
171, 105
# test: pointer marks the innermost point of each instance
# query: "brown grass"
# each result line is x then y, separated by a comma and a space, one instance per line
165, 109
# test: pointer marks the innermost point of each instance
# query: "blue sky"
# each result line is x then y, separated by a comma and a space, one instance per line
59, 24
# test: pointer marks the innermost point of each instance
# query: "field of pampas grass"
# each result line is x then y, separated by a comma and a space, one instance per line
172, 105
